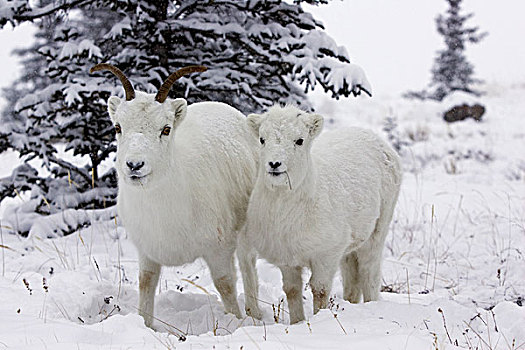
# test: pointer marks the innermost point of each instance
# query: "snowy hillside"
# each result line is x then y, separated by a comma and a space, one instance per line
453, 277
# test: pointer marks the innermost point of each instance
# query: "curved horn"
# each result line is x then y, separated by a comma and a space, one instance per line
168, 83
130, 92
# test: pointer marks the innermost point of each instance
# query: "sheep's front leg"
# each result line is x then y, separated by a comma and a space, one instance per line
293, 288
149, 272
247, 262
224, 278
321, 283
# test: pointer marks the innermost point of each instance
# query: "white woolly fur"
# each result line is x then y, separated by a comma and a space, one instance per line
183, 195
319, 204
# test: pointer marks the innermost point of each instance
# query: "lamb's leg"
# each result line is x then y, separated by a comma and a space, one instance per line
224, 278
293, 288
321, 283
247, 262
350, 273
149, 272
369, 259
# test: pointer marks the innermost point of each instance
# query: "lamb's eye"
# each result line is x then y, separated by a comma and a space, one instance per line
166, 130
299, 142
118, 129
261, 140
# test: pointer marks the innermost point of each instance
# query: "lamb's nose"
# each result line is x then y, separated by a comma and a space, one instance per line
274, 165
134, 166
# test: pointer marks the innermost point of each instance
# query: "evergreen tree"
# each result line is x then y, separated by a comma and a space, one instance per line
257, 52
451, 71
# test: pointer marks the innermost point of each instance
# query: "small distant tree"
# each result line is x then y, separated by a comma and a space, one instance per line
451, 71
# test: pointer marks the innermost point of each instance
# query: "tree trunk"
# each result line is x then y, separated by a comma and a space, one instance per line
159, 11
95, 162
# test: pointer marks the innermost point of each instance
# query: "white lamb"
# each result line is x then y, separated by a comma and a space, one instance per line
319, 205
184, 175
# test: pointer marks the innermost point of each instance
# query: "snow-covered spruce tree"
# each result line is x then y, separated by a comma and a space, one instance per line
258, 53
54, 115
451, 71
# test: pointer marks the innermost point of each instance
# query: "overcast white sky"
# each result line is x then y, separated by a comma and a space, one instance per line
393, 40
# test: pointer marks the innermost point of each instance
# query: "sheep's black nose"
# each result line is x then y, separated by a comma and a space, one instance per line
135, 166
274, 165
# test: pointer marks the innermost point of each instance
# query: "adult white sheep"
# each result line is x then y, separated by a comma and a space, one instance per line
319, 204
184, 176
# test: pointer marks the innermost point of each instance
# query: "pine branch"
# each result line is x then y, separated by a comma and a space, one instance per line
65, 6
185, 8
106, 152
70, 167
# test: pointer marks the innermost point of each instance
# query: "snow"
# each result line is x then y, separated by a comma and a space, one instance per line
72, 93
70, 49
52, 226
456, 245
118, 28
339, 74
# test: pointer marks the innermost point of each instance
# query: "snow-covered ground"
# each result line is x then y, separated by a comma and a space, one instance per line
454, 268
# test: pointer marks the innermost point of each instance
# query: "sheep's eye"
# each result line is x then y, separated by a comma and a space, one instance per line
299, 142
261, 140
166, 130
118, 129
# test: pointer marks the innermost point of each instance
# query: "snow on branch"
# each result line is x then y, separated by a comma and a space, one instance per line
20, 11
68, 221
343, 79
70, 49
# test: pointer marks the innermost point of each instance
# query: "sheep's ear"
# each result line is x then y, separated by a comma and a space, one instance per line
254, 122
314, 122
113, 103
179, 107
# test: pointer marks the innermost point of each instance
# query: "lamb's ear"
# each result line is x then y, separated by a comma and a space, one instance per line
179, 107
314, 122
254, 123
113, 103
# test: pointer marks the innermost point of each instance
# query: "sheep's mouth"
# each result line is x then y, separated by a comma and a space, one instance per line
280, 180
134, 177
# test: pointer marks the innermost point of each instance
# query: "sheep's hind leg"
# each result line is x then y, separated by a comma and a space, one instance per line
350, 274
224, 278
321, 283
369, 270
293, 288
369, 260
370, 254
149, 273
247, 263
